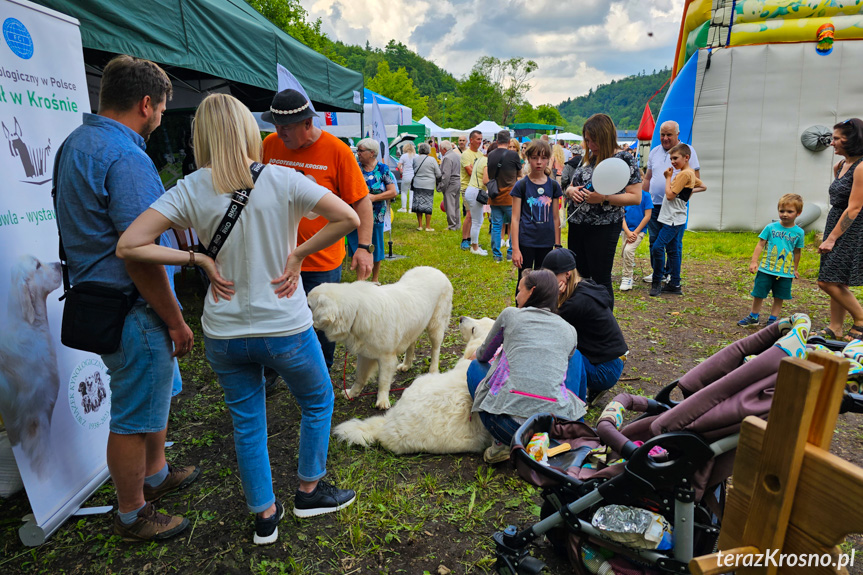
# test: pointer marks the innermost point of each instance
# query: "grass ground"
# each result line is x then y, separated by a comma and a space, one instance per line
415, 514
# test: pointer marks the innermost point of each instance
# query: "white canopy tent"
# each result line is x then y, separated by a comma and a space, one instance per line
488, 128
435, 130
455, 132
566, 137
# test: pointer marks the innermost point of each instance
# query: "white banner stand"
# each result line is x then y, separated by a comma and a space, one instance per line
55, 401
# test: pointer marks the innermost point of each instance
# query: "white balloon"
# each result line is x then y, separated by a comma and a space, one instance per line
610, 176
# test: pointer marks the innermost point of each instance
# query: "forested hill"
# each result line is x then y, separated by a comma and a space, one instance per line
623, 100
428, 78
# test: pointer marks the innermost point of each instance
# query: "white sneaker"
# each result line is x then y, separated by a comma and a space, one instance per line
647, 279
479, 252
403, 211
626, 284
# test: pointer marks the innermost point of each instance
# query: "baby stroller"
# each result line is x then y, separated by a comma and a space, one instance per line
670, 463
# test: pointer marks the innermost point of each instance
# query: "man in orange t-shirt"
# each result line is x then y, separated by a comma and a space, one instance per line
328, 161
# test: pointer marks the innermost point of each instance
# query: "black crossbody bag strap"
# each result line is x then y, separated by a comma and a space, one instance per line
238, 201
62, 253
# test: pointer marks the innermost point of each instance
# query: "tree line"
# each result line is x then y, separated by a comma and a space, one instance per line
494, 89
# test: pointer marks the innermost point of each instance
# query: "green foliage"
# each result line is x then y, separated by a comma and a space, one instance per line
548, 114
511, 80
623, 100
291, 17
398, 86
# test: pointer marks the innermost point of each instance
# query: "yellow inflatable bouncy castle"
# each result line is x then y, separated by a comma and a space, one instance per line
746, 22
755, 83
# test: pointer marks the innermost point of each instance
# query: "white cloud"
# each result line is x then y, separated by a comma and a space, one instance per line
577, 45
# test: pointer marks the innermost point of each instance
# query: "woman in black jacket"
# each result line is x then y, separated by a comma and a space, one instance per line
600, 355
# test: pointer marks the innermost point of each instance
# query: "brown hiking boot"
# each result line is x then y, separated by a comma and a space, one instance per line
150, 525
178, 478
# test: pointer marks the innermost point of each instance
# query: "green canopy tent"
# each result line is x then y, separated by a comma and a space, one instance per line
210, 45
529, 129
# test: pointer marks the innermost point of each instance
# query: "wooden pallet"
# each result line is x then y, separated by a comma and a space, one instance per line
790, 494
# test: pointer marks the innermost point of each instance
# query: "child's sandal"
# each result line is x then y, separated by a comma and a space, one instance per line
856, 332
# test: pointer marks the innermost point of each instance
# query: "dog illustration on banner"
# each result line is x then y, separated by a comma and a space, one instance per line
33, 160
92, 392
29, 382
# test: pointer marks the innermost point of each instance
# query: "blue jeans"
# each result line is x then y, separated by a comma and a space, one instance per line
298, 359
670, 239
177, 383
311, 280
653, 227
141, 371
500, 215
581, 375
502, 427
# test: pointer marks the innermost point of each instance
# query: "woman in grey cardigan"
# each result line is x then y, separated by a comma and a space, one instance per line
426, 177
527, 375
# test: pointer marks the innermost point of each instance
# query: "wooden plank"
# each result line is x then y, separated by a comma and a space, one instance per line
829, 494
714, 564
829, 398
797, 389
829, 502
798, 542
743, 484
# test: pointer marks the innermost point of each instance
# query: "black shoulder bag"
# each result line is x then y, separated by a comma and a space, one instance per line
491, 186
94, 314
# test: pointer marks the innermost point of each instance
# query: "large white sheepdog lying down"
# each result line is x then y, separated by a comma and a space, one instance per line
433, 414
377, 323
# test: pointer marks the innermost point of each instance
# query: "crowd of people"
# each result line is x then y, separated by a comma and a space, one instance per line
301, 191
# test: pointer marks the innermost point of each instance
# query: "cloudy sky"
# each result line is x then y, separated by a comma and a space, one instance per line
578, 44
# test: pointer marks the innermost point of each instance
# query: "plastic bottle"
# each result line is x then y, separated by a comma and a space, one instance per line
595, 562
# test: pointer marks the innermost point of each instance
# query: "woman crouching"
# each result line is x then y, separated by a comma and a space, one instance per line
587, 306
520, 368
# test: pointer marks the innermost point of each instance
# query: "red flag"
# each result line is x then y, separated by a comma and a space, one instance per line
647, 125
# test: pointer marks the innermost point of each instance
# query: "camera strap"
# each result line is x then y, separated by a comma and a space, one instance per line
239, 199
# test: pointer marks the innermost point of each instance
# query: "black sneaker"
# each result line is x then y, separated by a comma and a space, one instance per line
267, 530
673, 290
324, 499
655, 289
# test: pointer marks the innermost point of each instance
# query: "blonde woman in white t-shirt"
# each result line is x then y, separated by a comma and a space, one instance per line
255, 313
406, 167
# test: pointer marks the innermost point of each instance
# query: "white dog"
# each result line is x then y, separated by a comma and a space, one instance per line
29, 383
377, 323
433, 414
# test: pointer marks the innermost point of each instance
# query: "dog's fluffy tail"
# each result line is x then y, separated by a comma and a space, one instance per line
363, 432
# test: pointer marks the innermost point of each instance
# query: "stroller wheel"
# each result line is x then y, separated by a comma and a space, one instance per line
557, 536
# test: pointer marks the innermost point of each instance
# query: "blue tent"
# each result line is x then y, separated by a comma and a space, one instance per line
367, 98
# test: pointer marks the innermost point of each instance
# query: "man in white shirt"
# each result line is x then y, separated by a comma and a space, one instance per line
654, 179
